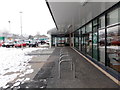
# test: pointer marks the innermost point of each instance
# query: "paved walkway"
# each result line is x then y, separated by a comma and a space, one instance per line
87, 76
39, 59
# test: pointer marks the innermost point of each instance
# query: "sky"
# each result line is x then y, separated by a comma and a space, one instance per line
36, 17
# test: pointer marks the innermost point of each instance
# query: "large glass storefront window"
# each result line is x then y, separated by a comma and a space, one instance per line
61, 40
89, 39
102, 22
113, 47
101, 37
53, 40
113, 40
102, 45
67, 41
101, 40
113, 17
76, 39
80, 39
95, 40
83, 40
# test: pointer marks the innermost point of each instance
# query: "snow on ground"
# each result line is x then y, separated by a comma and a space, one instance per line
14, 63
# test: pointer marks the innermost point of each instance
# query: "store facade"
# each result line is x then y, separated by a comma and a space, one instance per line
94, 31
99, 39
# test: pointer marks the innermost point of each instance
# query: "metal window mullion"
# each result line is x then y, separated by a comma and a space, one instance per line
98, 40
81, 38
92, 39
85, 41
106, 60
78, 39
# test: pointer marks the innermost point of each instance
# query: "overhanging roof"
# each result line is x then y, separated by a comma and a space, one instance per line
69, 16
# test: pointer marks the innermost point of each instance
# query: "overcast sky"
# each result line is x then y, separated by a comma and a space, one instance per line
35, 17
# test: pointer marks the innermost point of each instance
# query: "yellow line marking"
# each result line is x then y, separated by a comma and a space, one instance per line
103, 71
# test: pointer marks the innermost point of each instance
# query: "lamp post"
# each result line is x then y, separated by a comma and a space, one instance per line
9, 25
21, 27
21, 22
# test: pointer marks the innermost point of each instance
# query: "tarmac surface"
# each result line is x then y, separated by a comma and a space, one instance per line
87, 76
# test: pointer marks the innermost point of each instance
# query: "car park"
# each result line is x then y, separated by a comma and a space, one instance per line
47, 42
33, 44
27, 42
20, 44
0, 44
8, 44
42, 42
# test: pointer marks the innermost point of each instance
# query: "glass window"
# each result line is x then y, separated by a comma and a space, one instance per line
102, 46
89, 39
95, 46
89, 27
95, 39
89, 44
53, 40
102, 22
113, 17
76, 37
95, 22
83, 30
84, 43
113, 47
80, 40
83, 40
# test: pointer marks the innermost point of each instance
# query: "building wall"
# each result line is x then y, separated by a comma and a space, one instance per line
100, 38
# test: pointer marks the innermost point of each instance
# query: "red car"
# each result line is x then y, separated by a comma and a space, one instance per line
115, 43
0, 44
19, 44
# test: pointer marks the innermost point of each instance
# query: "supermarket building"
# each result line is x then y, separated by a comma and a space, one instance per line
91, 28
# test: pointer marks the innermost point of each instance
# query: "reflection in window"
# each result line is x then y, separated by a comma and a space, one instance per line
95, 39
89, 44
76, 37
102, 45
53, 41
80, 46
83, 30
95, 48
83, 40
102, 22
113, 47
89, 27
89, 39
113, 17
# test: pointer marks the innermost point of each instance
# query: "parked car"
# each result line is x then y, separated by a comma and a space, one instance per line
117, 42
27, 42
20, 44
8, 44
33, 44
42, 42
0, 44
47, 42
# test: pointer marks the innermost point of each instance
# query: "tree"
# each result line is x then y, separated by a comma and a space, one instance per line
30, 37
37, 35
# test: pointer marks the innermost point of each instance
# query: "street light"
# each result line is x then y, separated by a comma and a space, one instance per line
21, 27
21, 22
9, 25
